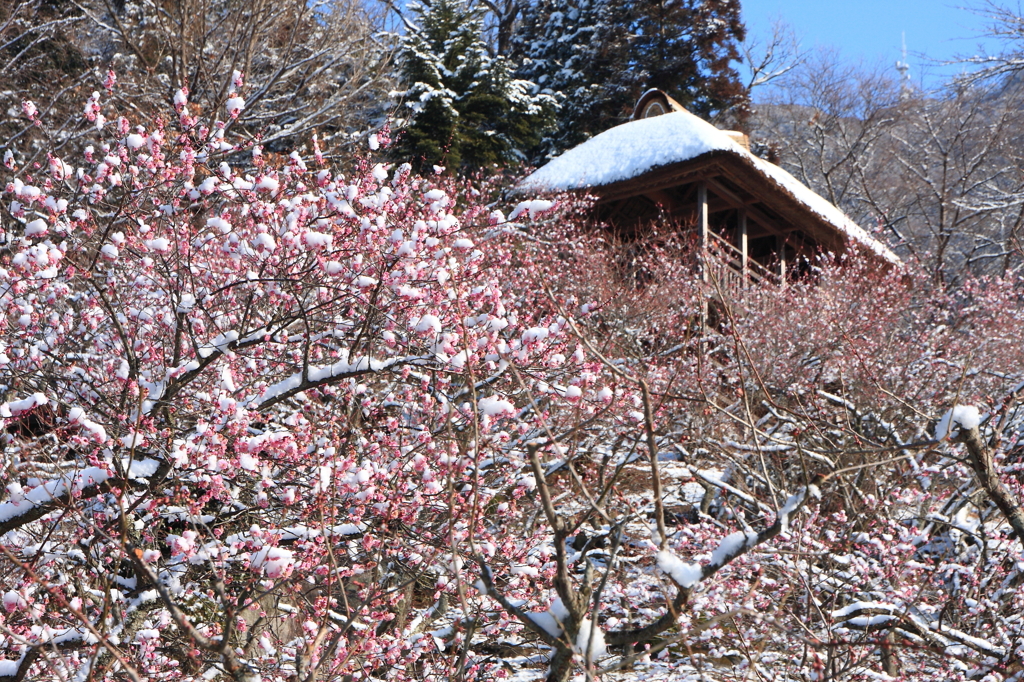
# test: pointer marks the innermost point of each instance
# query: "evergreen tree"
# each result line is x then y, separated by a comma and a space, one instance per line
598, 56
467, 109
570, 48
686, 48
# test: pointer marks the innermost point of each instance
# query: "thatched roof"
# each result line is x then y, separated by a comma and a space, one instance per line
657, 151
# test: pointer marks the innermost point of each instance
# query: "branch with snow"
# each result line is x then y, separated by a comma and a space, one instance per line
964, 417
312, 377
688, 575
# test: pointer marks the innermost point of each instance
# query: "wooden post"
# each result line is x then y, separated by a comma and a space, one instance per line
704, 225
780, 248
744, 265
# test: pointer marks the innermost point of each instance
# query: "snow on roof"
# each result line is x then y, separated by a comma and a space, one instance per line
628, 150
634, 148
823, 207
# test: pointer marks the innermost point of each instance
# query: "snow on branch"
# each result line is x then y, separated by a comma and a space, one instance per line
960, 417
46, 497
734, 545
313, 377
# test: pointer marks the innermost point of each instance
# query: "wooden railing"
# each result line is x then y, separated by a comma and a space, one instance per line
725, 262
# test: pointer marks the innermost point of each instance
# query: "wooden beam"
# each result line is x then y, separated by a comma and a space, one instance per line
780, 250
719, 205
661, 178
702, 221
742, 229
693, 211
821, 232
724, 192
753, 212
661, 197
703, 213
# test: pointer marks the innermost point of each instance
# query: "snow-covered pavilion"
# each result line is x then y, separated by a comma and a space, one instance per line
757, 218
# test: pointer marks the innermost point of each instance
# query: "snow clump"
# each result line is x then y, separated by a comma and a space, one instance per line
963, 416
495, 406
731, 546
685, 575
598, 647
428, 324
277, 562
14, 601
533, 207
235, 105
18, 407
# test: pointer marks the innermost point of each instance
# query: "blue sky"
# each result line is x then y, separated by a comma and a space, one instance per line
870, 30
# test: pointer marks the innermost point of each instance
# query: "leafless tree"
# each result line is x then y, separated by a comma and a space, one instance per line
308, 67
773, 56
936, 171
960, 194
1006, 25
828, 120
39, 60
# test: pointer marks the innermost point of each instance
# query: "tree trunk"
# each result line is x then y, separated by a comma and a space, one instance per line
985, 469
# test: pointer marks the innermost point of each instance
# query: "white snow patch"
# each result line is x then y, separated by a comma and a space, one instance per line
535, 334
160, 244
532, 207
547, 622
14, 601
221, 224
685, 575
52, 490
495, 406
143, 468
188, 302
318, 239
597, 645
792, 504
731, 546
76, 415
276, 561
551, 620
235, 105
628, 150
868, 621
18, 407
317, 374
36, 227
428, 323
963, 416
268, 184
862, 606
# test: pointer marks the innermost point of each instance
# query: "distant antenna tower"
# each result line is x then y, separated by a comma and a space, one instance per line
904, 68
